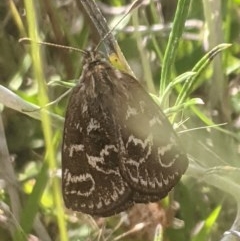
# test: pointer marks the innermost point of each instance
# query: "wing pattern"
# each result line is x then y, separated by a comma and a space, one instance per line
118, 147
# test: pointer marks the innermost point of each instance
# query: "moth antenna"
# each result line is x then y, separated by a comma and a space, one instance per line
28, 40
133, 6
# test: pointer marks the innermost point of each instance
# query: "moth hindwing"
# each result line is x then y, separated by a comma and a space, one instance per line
118, 146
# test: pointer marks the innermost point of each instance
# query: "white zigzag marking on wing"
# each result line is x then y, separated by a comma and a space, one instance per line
163, 149
131, 112
146, 143
137, 141
105, 152
92, 125
79, 179
75, 148
146, 180
94, 160
108, 197
155, 120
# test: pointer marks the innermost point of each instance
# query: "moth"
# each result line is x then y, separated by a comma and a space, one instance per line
118, 147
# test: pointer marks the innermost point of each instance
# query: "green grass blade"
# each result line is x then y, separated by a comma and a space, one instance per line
175, 35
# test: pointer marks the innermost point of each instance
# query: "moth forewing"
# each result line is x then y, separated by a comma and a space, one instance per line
92, 182
152, 159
